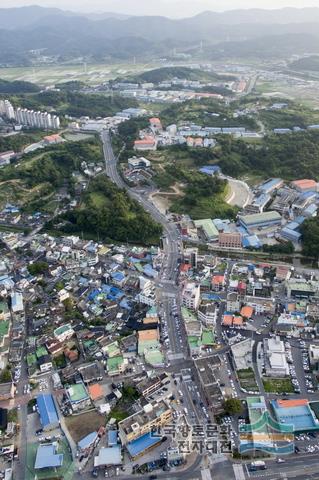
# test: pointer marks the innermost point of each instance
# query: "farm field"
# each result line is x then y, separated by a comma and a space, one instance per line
91, 74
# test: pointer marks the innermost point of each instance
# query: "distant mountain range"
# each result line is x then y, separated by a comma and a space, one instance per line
109, 35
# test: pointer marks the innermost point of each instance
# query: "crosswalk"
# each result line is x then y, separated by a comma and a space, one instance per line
239, 471
206, 475
175, 356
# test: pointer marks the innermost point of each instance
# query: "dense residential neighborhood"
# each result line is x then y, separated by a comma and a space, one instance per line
159, 245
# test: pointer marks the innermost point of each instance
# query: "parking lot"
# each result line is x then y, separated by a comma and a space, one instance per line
307, 443
299, 367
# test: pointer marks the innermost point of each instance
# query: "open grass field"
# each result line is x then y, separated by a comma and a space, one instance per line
91, 74
278, 385
81, 425
247, 379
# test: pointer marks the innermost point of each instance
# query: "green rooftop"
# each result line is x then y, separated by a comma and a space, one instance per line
154, 357
41, 351
64, 328
188, 316
77, 392
147, 345
208, 227
208, 337
31, 359
194, 342
114, 363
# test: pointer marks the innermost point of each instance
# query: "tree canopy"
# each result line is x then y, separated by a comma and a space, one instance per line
233, 406
109, 213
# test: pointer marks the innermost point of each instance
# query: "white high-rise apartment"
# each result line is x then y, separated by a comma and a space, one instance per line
7, 109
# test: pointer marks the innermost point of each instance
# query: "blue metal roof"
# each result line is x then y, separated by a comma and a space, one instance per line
47, 410
138, 446
87, 441
118, 276
290, 234
270, 183
251, 241
210, 169
112, 438
47, 457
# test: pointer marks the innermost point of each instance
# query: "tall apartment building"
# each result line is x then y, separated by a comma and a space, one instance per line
37, 119
7, 109
191, 296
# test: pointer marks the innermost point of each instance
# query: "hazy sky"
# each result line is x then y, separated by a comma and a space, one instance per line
172, 8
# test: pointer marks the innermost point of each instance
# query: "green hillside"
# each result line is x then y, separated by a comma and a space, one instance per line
306, 64
168, 73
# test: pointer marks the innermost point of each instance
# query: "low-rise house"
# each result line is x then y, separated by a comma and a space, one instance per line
6, 391
63, 333
78, 397
116, 365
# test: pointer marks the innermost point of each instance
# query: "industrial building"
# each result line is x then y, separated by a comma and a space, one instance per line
259, 203
48, 415
208, 228
305, 185
270, 185
260, 220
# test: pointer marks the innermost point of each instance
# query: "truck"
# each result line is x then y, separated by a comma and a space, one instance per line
257, 465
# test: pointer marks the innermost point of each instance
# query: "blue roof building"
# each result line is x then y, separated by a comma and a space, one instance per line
118, 277
87, 441
251, 241
47, 457
112, 438
48, 415
290, 234
271, 185
141, 444
311, 210
210, 170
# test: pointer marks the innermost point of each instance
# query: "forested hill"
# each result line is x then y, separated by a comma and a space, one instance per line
76, 104
306, 64
168, 73
110, 214
17, 86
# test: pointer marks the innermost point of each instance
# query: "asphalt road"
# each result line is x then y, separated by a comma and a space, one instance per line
240, 194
